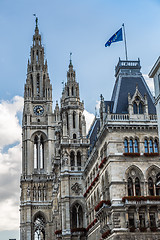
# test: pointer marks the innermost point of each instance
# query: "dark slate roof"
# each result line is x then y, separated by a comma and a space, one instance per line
128, 85
110, 104
92, 135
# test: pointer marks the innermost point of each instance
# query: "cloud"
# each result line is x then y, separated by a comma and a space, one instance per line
10, 162
89, 117
150, 83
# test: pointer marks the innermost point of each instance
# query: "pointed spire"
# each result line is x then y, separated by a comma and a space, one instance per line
70, 62
71, 73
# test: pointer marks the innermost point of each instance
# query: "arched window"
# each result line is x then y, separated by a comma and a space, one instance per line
80, 123
72, 158
68, 91
35, 152
140, 108
74, 136
131, 146
77, 216
67, 120
150, 187
44, 77
137, 187
72, 91
126, 146
38, 84
41, 153
146, 145
155, 146
37, 56
130, 187
135, 109
74, 123
158, 184
39, 228
78, 159
150, 146
136, 146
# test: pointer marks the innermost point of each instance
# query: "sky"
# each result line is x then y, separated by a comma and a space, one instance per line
78, 26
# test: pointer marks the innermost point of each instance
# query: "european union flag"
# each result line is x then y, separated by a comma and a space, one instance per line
115, 38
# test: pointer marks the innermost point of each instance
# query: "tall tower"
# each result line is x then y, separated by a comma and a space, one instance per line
37, 148
74, 146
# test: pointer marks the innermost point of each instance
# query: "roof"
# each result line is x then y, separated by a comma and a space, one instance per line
154, 68
92, 135
128, 85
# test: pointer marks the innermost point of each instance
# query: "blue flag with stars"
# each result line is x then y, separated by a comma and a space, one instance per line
115, 38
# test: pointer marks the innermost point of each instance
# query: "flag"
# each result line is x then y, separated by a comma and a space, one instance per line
115, 38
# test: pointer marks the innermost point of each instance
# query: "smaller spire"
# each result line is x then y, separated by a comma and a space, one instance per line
36, 20
70, 62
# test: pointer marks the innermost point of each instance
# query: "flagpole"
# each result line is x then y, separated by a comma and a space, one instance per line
125, 42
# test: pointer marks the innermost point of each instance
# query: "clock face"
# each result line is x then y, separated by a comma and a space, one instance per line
38, 110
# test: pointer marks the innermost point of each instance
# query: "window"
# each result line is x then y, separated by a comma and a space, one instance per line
77, 216
126, 146
131, 146
135, 108
156, 146
150, 187
150, 146
146, 145
74, 124
137, 187
78, 159
39, 228
140, 108
74, 136
38, 84
68, 91
130, 187
38, 152
72, 91
72, 158
136, 146
41, 153
158, 184
37, 56
67, 120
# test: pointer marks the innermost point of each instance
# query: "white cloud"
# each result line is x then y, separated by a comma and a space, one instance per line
89, 117
10, 162
150, 83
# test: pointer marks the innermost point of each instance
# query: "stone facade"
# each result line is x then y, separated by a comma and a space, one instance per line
101, 186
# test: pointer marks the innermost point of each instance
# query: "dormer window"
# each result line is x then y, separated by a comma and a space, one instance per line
137, 107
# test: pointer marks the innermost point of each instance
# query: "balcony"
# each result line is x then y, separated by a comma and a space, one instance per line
141, 200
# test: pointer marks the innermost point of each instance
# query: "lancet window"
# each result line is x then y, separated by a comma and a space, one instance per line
78, 159
38, 84
38, 152
72, 158
77, 216
39, 228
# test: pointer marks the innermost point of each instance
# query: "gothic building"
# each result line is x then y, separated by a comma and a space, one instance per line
104, 185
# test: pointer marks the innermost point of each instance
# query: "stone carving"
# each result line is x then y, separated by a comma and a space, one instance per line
76, 188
